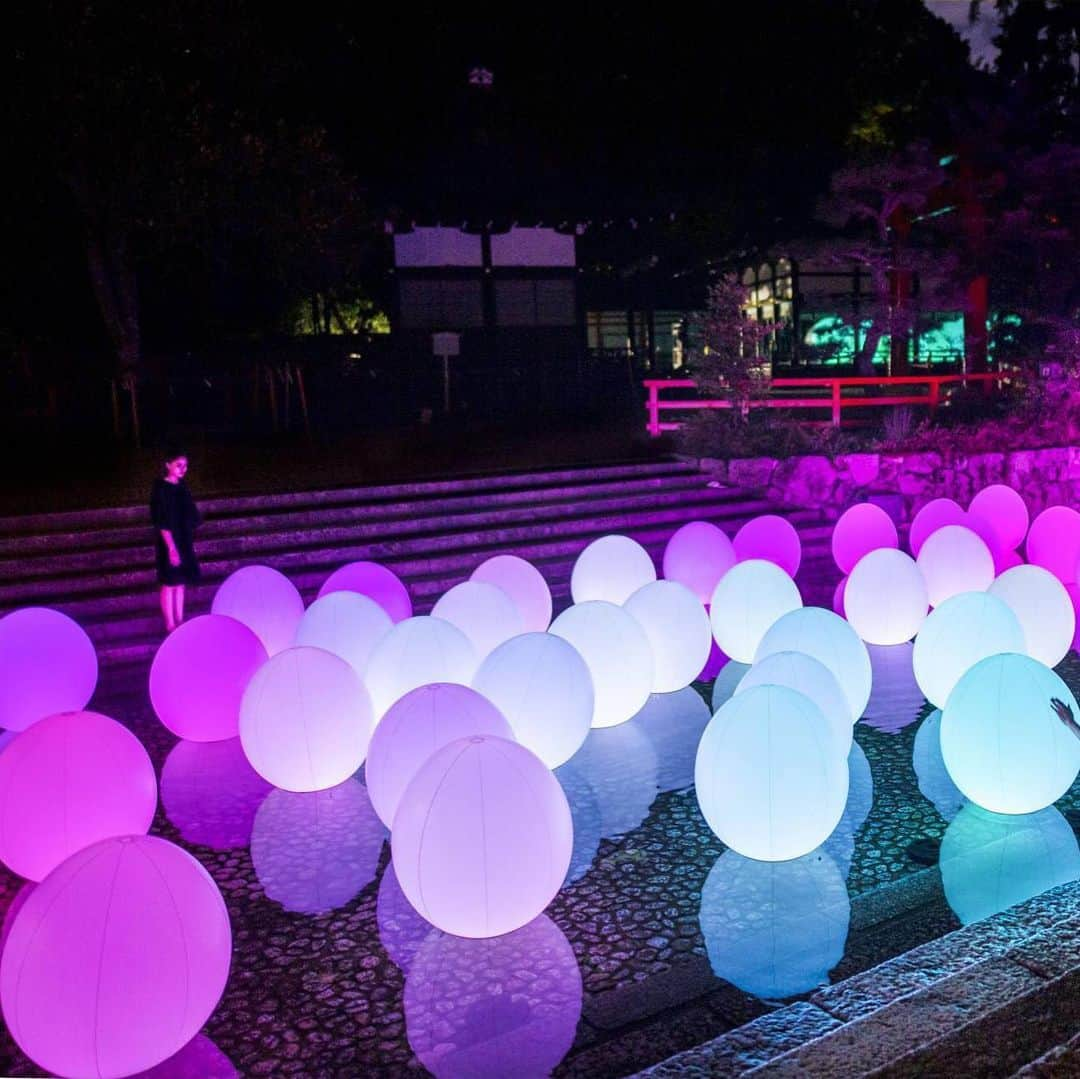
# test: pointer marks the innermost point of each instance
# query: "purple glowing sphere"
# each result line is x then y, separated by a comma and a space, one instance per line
954, 559
936, 514
697, 556
1054, 542
347, 624
772, 539
861, 529
374, 581
524, 584
483, 612
266, 601
1005, 512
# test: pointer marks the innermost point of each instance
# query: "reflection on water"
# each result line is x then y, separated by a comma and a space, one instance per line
841, 844
731, 674
199, 1059
674, 723
401, 929
895, 698
314, 852
504, 1006
935, 783
585, 812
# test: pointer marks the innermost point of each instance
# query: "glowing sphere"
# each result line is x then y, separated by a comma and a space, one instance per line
414, 727
482, 837
956, 635
1001, 740
540, 683
886, 599
1054, 542
483, 612
417, 652
936, 514
697, 556
772, 539
266, 601
199, 675
750, 597
611, 568
68, 781
524, 584
678, 630
617, 653
826, 637
1004, 512
861, 529
116, 959
305, 720
1043, 608
954, 560
895, 698
673, 723
935, 783
47, 665
727, 681
347, 624
758, 736
374, 581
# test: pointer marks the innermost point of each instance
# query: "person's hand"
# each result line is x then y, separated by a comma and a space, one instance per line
174, 557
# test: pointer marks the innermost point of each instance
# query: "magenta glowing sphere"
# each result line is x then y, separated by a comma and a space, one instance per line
199, 675
47, 665
750, 597
524, 584
885, 598
678, 629
611, 569
116, 959
771, 538
861, 529
374, 581
936, 514
424, 720
953, 560
68, 781
347, 624
483, 612
482, 837
1005, 512
1043, 608
1054, 542
697, 556
266, 601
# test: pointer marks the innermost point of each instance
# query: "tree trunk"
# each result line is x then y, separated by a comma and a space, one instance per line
864, 358
112, 274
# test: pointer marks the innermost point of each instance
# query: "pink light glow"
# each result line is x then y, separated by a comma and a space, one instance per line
860, 530
771, 538
374, 581
524, 584
1005, 512
697, 556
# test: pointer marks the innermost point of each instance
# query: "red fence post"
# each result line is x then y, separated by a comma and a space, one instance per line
836, 402
653, 406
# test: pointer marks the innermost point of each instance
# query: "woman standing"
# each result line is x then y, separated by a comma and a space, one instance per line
175, 517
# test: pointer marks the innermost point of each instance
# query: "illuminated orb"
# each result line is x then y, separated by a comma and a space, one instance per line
990, 862
540, 683
838, 597
954, 560
482, 837
1043, 608
424, 720
374, 581
817, 632
861, 529
772, 539
401, 929
895, 698
612, 569
1054, 542
116, 959
483, 612
1001, 740
956, 635
697, 556
765, 733
1004, 511
199, 675
347, 624
617, 653
524, 584
727, 681
678, 630
266, 601
305, 720
886, 599
935, 783
312, 852
417, 652
47, 665
68, 781
750, 597
673, 723
936, 514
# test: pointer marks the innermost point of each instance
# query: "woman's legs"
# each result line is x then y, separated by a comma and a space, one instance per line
178, 604
168, 608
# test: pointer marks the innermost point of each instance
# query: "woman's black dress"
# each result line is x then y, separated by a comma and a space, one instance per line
173, 509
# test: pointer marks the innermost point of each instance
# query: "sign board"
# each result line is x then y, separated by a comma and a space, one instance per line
446, 344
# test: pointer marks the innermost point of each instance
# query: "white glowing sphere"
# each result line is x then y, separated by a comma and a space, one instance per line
1001, 739
305, 720
1054, 542
347, 624
483, 612
266, 601
816, 632
861, 529
612, 569
524, 584
482, 837
617, 653
769, 778
727, 681
424, 720
416, 652
772, 539
885, 598
374, 581
1042, 606
956, 635
47, 665
936, 514
1004, 511
540, 683
697, 556
750, 597
953, 560
678, 629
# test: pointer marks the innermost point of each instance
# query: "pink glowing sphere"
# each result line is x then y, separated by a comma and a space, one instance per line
199, 675
860, 530
421, 722
697, 556
347, 624
266, 601
750, 597
47, 665
374, 581
482, 837
483, 612
524, 584
611, 569
68, 781
116, 959
885, 598
771, 538
936, 514
953, 560
678, 629
1054, 542
1004, 512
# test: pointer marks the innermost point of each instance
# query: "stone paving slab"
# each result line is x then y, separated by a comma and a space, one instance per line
1061, 1062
